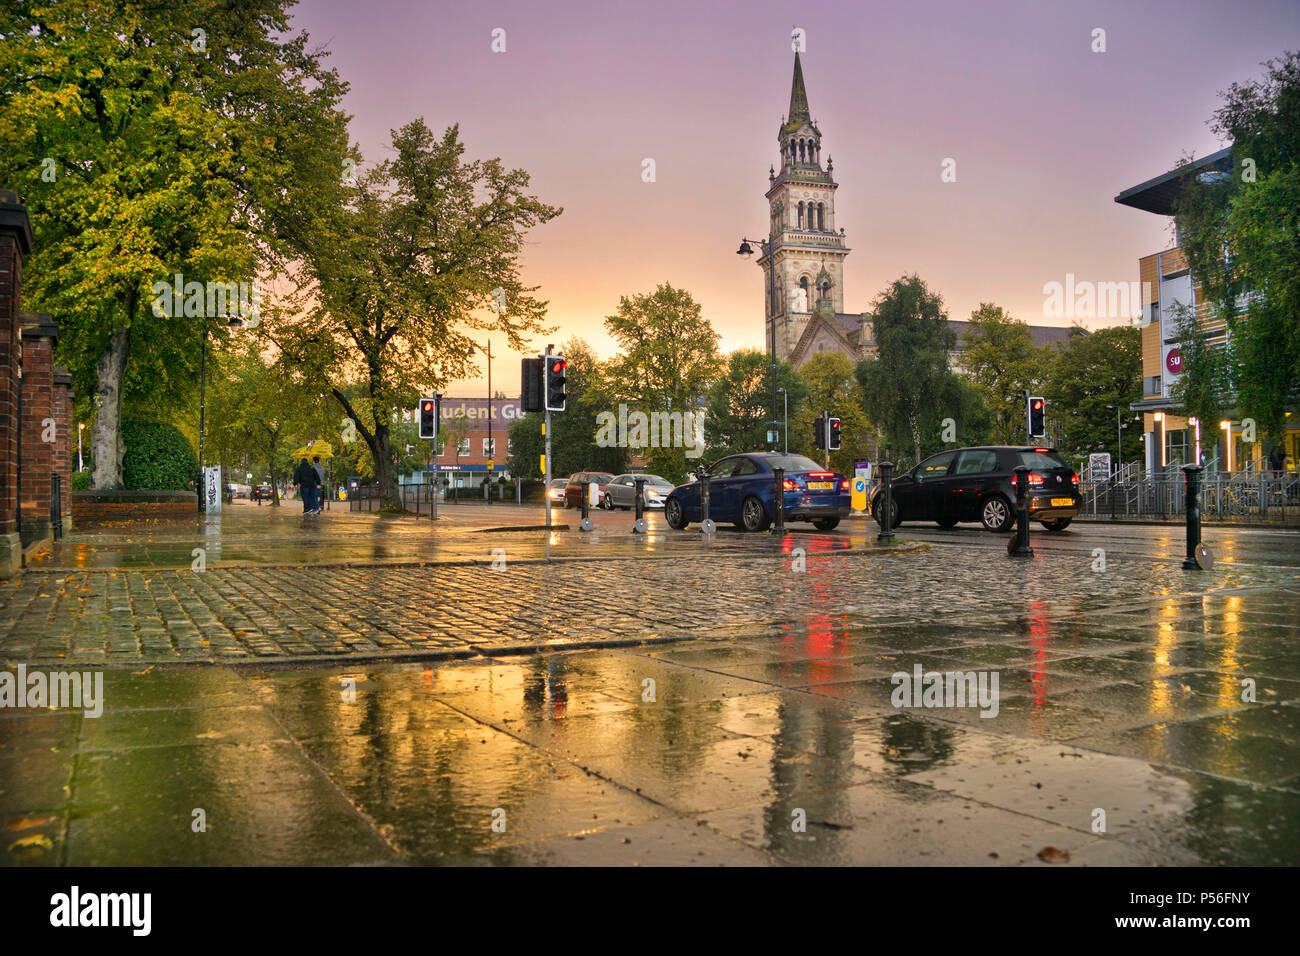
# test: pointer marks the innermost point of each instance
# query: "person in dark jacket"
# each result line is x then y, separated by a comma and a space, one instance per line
304, 476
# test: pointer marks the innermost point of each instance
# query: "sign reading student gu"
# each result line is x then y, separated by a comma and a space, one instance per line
475, 410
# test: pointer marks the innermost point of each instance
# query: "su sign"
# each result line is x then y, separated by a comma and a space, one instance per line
1174, 361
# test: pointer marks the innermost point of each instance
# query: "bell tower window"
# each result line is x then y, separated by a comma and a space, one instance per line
821, 222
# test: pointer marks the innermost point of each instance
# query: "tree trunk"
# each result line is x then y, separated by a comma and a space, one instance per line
916, 439
385, 471
106, 435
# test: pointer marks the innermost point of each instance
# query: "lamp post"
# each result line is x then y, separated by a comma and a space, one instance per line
1159, 418
81, 427
492, 448
746, 251
234, 322
785, 420
1226, 426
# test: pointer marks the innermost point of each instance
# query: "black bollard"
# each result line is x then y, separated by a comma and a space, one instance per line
706, 525
1019, 547
885, 500
778, 526
1193, 473
585, 524
638, 489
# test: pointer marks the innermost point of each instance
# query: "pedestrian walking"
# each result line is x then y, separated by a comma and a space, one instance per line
320, 481
304, 477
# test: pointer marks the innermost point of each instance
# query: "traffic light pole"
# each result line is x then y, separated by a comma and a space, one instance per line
546, 487
826, 437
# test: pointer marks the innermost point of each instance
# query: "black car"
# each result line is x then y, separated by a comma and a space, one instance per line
261, 493
979, 484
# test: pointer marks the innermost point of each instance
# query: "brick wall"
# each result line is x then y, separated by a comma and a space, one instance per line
39, 427
65, 450
15, 242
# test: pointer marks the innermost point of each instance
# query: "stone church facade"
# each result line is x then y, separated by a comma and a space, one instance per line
804, 306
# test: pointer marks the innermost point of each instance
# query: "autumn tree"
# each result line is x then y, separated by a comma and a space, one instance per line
1003, 364
420, 256
149, 140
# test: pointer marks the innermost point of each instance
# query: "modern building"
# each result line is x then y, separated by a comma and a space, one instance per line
803, 265
1168, 287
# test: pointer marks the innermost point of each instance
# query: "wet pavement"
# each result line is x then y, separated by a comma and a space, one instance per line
653, 700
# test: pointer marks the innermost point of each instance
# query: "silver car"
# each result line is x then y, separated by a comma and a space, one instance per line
620, 492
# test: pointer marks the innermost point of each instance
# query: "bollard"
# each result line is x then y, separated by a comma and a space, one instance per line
885, 500
585, 524
706, 523
1193, 504
1018, 547
638, 489
487, 489
56, 506
778, 526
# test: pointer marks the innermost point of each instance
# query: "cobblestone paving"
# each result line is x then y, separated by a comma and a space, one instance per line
263, 613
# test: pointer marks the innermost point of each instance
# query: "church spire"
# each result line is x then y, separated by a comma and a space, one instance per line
798, 96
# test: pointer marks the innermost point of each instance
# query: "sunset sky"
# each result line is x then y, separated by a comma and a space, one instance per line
1044, 132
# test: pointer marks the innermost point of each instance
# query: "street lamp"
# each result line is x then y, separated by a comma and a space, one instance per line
492, 448
746, 251
81, 427
1160, 420
1226, 426
785, 419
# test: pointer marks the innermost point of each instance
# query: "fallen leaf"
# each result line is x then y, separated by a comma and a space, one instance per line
210, 735
36, 839
145, 671
1050, 854
26, 823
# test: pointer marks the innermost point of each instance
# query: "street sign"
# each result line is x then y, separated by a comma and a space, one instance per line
212, 489
1099, 466
859, 499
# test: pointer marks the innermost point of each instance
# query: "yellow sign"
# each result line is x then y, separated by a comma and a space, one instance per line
543, 464
859, 499
491, 464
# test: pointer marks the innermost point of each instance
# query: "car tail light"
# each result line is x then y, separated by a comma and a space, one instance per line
821, 474
844, 485
1035, 479
1074, 479
789, 485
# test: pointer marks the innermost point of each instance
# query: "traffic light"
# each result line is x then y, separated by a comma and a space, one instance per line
834, 435
819, 432
429, 417
533, 387
555, 369
1037, 417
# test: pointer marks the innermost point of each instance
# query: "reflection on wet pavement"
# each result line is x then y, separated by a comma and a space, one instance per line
783, 749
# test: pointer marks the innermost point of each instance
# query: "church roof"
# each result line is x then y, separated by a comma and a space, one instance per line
1042, 334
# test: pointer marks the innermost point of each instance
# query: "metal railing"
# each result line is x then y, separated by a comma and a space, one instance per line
1244, 496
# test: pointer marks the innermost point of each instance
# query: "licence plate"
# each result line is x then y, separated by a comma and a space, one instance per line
1062, 502
820, 485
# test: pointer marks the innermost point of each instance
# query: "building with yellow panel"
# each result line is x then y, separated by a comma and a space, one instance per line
1170, 437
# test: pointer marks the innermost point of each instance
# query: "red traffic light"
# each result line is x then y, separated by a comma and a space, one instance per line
558, 366
428, 406
1038, 404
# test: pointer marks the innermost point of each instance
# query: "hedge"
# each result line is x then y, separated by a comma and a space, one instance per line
156, 457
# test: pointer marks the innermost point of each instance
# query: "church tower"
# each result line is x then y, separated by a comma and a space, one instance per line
807, 251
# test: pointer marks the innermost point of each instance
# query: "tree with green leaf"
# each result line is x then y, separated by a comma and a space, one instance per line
149, 140
1092, 377
740, 402
1003, 364
832, 386
418, 258
668, 359
904, 387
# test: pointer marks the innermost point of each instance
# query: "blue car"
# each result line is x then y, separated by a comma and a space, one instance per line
742, 490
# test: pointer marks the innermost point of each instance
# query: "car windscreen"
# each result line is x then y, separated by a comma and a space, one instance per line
600, 478
792, 463
656, 480
1041, 459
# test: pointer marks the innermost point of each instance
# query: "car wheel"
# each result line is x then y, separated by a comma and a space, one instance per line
607, 503
826, 524
946, 522
675, 514
752, 515
1057, 524
996, 514
893, 507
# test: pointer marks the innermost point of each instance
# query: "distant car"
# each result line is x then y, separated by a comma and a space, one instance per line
620, 492
742, 490
555, 490
979, 484
261, 493
573, 490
